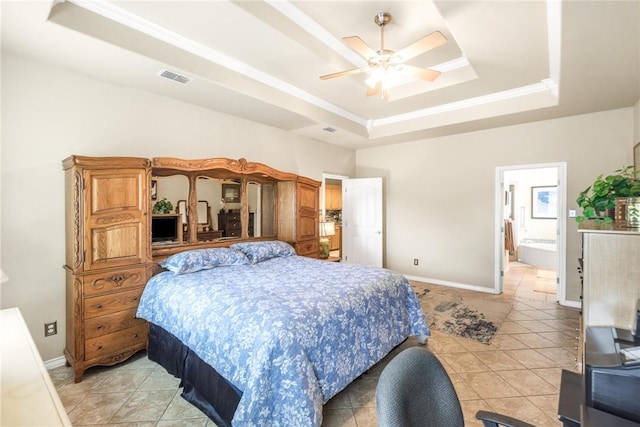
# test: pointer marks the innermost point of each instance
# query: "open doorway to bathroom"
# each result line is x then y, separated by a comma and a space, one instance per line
532, 240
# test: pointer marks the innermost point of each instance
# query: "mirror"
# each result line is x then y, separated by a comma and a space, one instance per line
173, 188
204, 215
228, 204
182, 210
261, 199
209, 194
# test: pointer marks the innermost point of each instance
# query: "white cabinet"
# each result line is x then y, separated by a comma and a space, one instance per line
611, 286
28, 395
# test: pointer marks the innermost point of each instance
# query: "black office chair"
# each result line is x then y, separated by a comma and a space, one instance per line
414, 390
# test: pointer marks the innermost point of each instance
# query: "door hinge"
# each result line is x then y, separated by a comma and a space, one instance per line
501, 273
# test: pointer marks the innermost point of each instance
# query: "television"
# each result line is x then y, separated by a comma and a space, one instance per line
166, 228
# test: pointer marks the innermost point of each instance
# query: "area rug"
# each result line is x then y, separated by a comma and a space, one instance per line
468, 317
545, 282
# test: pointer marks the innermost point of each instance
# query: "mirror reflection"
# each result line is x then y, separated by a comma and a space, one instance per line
166, 226
219, 206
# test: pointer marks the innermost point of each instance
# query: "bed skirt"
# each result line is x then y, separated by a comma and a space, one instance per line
202, 385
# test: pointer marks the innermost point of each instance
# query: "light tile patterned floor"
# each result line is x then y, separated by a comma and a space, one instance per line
518, 374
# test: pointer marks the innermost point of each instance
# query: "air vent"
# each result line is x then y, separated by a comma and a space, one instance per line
175, 77
328, 129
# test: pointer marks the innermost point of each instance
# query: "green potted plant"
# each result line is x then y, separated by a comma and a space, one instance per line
162, 207
600, 197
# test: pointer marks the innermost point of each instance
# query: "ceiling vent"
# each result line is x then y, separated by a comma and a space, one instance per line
328, 129
175, 77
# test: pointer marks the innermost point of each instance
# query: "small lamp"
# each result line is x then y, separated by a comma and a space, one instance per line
326, 229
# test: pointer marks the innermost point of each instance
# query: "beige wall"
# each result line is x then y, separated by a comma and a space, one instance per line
49, 113
440, 192
636, 125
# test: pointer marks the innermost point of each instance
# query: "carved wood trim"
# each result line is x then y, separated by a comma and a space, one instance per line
115, 218
78, 316
105, 162
240, 166
77, 219
116, 280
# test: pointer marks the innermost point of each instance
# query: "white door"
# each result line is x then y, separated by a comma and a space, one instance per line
362, 221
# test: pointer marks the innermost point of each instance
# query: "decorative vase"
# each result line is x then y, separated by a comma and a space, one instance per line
620, 216
633, 212
324, 248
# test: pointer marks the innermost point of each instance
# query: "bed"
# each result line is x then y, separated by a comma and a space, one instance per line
262, 337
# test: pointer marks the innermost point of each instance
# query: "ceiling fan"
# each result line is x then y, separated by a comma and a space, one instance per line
384, 64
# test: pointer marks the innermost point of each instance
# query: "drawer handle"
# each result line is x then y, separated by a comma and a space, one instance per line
135, 298
99, 327
135, 336
100, 347
99, 306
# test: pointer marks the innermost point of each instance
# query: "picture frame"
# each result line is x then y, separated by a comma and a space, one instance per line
544, 202
231, 193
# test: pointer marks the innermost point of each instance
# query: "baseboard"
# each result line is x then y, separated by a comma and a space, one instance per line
457, 285
572, 304
55, 363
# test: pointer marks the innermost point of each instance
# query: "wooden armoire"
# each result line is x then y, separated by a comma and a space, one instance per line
106, 259
109, 252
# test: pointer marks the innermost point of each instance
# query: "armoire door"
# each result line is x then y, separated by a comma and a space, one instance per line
115, 217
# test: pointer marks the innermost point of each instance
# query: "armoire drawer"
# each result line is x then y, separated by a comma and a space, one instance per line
110, 323
112, 343
107, 282
111, 303
308, 248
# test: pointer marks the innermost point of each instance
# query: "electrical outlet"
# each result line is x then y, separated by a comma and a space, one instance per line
50, 328
415, 261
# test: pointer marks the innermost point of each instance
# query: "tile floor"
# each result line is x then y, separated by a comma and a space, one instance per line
518, 374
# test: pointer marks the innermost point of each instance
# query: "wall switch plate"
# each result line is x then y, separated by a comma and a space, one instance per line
572, 213
415, 261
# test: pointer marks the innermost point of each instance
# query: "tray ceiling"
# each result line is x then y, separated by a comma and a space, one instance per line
505, 62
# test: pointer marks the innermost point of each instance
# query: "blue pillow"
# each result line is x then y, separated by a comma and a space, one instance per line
261, 251
203, 259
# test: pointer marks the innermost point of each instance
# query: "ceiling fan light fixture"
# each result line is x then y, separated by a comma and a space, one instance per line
377, 75
386, 67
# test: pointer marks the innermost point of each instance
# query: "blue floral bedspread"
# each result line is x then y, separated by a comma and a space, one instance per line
289, 332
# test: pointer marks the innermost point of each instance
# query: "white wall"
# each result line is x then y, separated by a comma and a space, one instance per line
440, 192
49, 113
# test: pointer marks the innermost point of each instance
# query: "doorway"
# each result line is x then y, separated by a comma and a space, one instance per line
331, 211
531, 224
360, 219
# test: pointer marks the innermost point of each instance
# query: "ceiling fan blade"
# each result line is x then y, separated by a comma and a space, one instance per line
420, 73
429, 42
341, 73
357, 44
374, 90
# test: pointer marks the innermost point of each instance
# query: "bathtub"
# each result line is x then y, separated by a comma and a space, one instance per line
539, 253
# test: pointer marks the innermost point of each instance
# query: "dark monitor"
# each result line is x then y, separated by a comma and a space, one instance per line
166, 228
612, 374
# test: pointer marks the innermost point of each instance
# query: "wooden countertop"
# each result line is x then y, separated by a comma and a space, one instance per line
612, 228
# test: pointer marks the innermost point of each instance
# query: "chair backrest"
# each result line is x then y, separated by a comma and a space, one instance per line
415, 390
